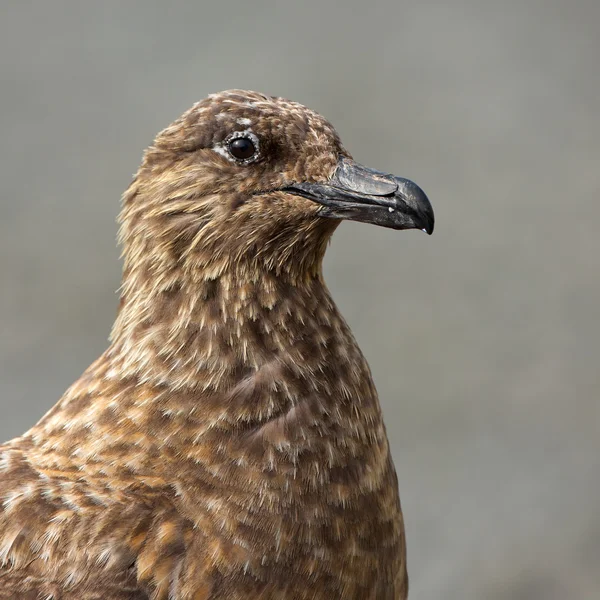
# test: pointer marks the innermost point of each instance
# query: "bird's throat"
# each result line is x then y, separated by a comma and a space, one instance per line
267, 369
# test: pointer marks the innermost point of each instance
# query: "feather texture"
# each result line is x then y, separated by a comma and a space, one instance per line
229, 443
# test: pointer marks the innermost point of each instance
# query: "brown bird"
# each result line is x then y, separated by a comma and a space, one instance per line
229, 443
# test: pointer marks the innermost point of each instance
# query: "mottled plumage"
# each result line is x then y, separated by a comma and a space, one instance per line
229, 443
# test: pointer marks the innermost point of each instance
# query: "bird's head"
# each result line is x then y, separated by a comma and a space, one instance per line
245, 180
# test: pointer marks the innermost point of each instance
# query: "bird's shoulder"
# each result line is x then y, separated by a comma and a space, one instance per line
64, 536
14, 585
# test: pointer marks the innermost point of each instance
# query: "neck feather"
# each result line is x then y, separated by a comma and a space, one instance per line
209, 332
265, 367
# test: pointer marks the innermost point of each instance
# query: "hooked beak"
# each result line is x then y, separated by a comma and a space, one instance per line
361, 194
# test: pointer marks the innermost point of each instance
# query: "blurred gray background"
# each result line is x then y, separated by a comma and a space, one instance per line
483, 339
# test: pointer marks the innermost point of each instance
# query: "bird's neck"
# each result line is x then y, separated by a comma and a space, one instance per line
209, 333
265, 368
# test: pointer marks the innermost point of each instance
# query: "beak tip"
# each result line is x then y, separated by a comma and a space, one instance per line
428, 229
417, 205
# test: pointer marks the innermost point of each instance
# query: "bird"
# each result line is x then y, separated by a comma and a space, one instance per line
229, 443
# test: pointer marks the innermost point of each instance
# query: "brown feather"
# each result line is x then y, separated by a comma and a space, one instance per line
229, 443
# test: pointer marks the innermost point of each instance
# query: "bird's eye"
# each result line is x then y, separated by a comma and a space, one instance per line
243, 146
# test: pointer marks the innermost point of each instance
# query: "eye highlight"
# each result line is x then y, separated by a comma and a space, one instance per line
243, 146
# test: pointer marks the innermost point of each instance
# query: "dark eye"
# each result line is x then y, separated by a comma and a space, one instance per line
243, 147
